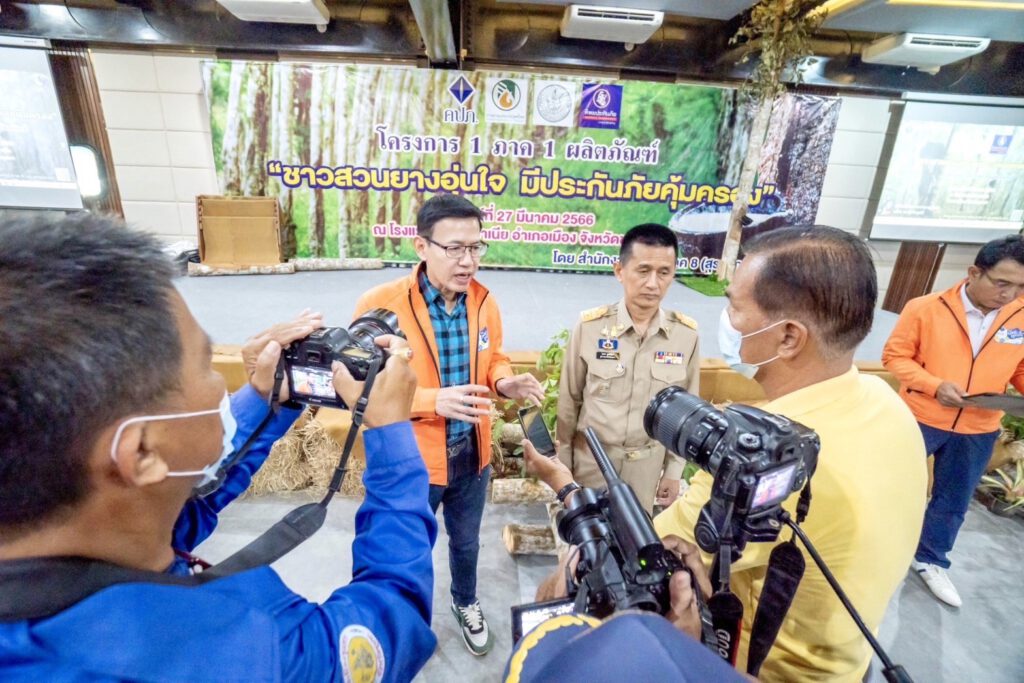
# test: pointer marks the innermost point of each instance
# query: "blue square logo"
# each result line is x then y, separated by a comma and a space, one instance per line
461, 89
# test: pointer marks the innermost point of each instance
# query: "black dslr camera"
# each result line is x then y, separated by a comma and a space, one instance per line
757, 459
308, 361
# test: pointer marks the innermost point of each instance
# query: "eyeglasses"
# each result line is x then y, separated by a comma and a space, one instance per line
1003, 285
457, 251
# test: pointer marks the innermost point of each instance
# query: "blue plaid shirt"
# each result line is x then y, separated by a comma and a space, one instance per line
451, 332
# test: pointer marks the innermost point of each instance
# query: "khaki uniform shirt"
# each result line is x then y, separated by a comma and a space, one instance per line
609, 376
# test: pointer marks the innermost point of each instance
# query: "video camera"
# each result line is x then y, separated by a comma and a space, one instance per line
307, 361
756, 458
623, 564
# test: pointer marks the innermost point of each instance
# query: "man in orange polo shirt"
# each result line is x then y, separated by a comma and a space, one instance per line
966, 340
454, 330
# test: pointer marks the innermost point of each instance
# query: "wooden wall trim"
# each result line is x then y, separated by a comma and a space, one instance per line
79, 97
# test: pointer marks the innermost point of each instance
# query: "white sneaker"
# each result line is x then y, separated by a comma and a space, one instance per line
474, 628
938, 582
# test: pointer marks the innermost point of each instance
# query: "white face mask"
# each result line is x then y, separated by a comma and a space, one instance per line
208, 473
730, 340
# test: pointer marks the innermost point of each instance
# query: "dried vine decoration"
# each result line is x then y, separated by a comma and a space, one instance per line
779, 32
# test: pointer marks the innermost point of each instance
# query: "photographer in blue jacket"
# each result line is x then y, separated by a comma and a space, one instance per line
112, 415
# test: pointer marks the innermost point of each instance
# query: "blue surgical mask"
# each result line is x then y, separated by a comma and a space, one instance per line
208, 473
730, 340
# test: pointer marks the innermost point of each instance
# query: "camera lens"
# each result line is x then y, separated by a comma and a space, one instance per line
685, 424
376, 322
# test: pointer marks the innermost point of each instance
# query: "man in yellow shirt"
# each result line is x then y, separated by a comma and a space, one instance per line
799, 305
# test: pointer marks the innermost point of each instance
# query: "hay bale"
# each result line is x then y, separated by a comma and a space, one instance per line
321, 454
285, 468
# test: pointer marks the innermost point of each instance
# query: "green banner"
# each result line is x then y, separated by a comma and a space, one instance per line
561, 166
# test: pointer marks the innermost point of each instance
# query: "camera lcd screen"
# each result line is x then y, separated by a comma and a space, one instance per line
774, 487
312, 382
527, 617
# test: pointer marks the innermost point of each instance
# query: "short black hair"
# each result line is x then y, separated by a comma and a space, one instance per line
442, 206
87, 335
820, 274
1000, 249
651, 234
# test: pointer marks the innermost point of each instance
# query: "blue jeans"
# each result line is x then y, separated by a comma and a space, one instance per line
960, 461
463, 500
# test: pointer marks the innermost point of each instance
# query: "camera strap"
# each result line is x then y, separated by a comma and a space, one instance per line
786, 567
305, 520
726, 608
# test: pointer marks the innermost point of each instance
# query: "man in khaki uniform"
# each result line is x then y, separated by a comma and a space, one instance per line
619, 356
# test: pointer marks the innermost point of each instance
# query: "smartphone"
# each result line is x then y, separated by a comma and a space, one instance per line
536, 431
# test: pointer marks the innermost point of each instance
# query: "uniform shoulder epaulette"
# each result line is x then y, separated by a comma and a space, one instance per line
684, 319
594, 313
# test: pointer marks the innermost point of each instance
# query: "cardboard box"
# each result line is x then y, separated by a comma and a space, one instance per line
239, 231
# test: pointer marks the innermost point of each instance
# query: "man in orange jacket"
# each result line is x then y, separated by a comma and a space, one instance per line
454, 330
966, 340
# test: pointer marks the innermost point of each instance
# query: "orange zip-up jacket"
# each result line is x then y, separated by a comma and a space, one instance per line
931, 345
487, 362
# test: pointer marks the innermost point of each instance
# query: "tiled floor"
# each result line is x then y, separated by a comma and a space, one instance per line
981, 642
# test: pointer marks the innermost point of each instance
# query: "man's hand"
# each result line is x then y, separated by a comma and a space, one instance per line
683, 611
553, 587
462, 403
668, 492
950, 395
551, 471
390, 399
520, 387
261, 352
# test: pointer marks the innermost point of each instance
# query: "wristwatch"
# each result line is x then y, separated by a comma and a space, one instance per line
566, 490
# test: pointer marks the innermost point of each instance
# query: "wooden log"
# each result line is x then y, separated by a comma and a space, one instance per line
511, 435
203, 270
528, 539
520, 491
308, 264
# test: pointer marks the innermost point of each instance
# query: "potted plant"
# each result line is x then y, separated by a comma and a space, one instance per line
1005, 489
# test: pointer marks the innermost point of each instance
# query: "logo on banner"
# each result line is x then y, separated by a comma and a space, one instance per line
600, 106
1001, 144
461, 90
554, 104
506, 101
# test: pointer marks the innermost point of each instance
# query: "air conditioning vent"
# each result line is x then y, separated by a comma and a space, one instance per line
280, 11
614, 24
966, 43
921, 51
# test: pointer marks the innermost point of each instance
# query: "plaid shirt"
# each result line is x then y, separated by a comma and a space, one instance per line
451, 332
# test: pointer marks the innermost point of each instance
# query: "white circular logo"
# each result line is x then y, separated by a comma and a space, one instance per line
602, 98
554, 102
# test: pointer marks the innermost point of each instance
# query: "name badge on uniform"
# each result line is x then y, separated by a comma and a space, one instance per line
607, 355
608, 344
1014, 336
484, 340
668, 357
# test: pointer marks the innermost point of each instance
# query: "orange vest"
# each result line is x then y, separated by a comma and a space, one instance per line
487, 362
930, 345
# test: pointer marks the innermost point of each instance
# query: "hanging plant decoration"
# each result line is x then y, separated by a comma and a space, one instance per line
780, 33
